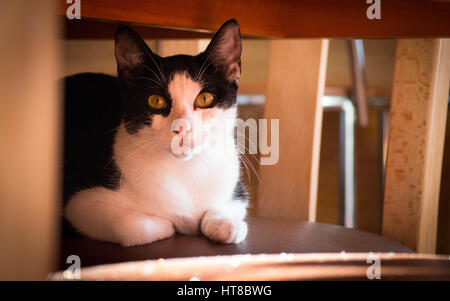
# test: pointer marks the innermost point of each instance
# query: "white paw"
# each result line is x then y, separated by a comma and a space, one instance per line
224, 230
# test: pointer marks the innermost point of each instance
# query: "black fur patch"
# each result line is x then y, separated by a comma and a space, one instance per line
240, 192
93, 112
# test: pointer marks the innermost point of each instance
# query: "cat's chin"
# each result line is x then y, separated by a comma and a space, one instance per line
184, 157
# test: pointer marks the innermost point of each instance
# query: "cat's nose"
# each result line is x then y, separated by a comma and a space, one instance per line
181, 130
181, 126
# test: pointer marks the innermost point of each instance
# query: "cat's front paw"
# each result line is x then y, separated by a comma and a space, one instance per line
224, 230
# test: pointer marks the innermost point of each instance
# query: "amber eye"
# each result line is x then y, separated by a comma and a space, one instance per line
204, 100
157, 102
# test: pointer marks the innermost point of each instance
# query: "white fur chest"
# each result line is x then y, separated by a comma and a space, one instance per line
180, 191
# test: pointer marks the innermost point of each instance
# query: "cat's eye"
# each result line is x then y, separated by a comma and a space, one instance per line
157, 102
204, 99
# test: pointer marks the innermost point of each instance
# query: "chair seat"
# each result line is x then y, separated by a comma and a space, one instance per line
265, 236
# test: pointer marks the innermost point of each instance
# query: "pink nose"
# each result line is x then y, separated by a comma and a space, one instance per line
180, 130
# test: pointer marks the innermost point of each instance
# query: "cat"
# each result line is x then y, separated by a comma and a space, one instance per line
125, 181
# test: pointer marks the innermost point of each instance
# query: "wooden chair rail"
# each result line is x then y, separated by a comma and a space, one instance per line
328, 266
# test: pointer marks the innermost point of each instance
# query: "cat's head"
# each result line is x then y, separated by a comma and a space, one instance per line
180, 102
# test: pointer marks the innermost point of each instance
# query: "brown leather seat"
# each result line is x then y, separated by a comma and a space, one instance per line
265, 236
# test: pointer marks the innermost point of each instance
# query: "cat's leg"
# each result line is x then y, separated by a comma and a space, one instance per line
97, 213
225, 223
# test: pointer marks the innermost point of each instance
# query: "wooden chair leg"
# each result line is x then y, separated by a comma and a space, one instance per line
416, 142
296, 83
30, 139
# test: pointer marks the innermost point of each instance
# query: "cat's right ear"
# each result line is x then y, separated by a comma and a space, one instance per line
131, 52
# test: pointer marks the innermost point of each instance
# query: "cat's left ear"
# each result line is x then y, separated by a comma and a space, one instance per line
225, 49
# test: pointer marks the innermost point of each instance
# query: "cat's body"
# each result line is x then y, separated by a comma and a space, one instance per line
124, 182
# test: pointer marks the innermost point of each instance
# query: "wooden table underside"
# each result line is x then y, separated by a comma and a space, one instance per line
276, 18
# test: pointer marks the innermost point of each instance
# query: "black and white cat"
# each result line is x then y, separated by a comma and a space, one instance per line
123, 182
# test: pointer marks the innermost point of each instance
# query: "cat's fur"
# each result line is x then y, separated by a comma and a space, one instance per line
122, 182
